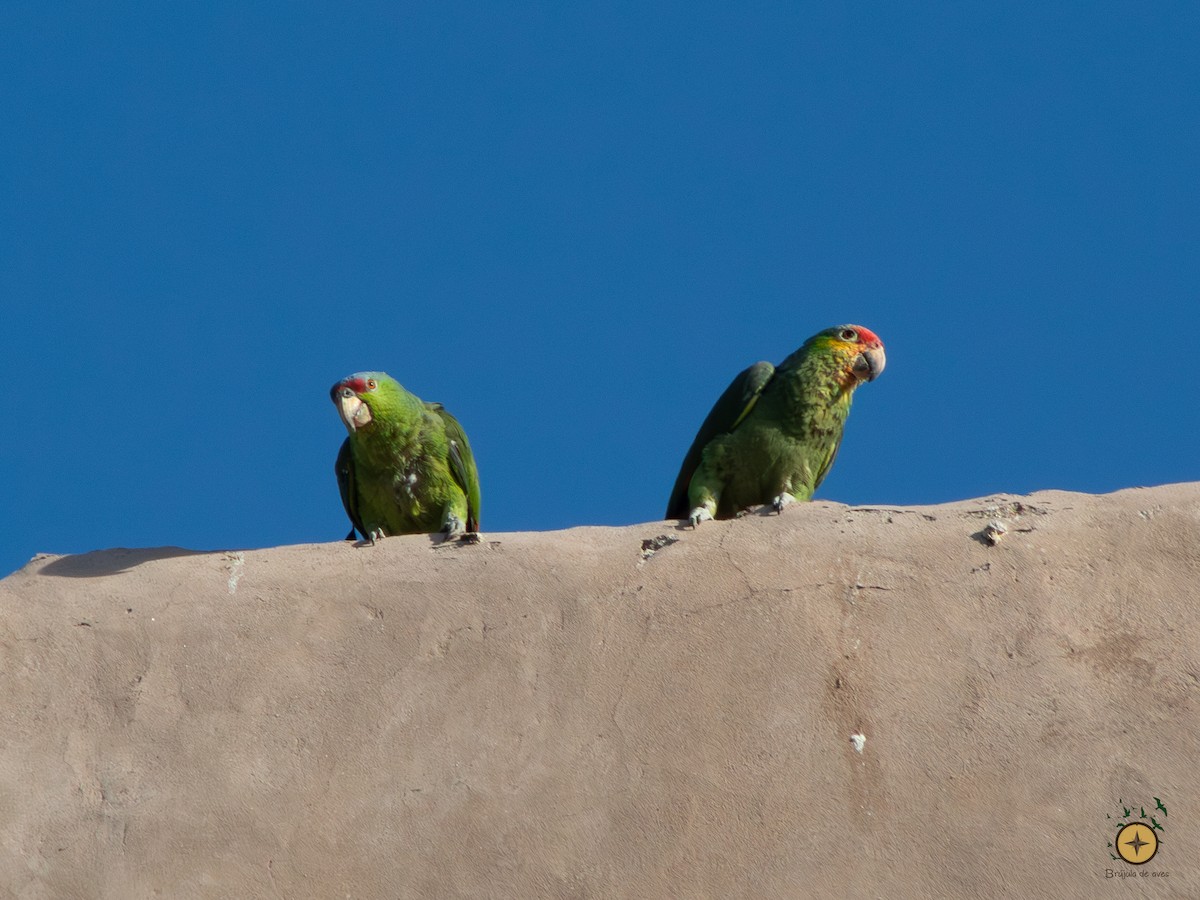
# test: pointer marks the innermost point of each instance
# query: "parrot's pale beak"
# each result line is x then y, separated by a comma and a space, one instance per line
868, 364
355, 414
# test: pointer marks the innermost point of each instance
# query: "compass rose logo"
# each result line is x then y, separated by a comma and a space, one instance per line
1138, 832
1136, 843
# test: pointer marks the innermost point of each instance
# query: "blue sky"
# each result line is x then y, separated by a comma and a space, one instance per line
573, 225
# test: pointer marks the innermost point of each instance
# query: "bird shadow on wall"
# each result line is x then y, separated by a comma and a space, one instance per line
112, 562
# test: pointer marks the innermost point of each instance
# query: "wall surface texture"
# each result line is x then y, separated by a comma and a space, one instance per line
838, 702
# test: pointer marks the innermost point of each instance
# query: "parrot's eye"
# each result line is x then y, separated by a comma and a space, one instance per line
848, 334
370, 384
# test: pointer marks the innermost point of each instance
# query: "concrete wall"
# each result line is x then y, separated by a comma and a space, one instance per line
566, 714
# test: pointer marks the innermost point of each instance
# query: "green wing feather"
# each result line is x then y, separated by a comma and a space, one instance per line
727, 414
344, 468
462, 463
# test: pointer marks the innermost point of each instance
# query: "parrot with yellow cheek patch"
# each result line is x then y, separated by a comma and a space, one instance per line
406, 466
773, 435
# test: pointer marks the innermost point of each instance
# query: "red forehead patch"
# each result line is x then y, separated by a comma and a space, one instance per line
866, 335
358, 385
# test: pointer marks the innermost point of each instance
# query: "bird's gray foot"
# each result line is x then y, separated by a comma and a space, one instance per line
453, 527
375, 536
699, 514
783, 500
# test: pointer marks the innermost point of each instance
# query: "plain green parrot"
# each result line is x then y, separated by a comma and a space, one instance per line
773, 434
406, 467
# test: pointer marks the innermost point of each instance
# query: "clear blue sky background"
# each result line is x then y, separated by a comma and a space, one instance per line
573, 224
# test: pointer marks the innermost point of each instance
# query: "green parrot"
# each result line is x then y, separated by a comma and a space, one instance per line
773, 434
406, 467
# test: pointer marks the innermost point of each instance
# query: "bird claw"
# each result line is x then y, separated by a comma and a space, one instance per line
699, 514
375, 536
783, 500
453, 527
